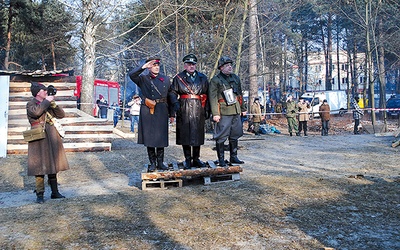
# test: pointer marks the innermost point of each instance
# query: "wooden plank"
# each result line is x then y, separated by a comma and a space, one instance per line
55, 84
160, 184
66, 145
396, 143
221, 178
198, 172
397, 133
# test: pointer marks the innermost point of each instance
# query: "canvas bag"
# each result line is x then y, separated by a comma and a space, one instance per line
34, 134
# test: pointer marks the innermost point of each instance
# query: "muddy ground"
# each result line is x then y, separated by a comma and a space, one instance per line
341, 191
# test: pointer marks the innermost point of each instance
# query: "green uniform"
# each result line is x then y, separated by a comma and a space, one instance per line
291, 110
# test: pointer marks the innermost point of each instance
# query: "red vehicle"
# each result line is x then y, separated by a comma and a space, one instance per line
109, 89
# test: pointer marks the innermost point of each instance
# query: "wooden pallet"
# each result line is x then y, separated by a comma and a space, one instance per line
160, 184
221, 178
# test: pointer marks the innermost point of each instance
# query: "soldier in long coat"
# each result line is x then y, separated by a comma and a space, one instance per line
303, 115
227, 105
153, 124
45, 156
188, 95
325, 114
255, 111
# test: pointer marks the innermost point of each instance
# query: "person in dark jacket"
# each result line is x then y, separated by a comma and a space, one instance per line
103, 106
227, 105
188, 95
153, 122
45, 156
357, 113
325, 114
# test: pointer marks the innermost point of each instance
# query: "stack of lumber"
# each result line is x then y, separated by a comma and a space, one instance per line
83, 132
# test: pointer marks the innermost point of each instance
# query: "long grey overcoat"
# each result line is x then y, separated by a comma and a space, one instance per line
190, 116
45, 156
153, 128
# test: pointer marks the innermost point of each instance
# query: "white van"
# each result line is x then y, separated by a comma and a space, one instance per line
337, 100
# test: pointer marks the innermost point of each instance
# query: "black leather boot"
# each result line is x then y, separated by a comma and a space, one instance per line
54, 189
160, 159
187, 152
233, 148
152, 158
196, 158
220, 154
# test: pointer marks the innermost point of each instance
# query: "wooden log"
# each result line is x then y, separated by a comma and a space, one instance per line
396, 143
199, 172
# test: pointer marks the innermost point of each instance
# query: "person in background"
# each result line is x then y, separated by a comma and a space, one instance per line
291, 113
227, 105
103, 106
45, 156
134, 111
188, 95
357, 114
116, 114
256, 115
325, 114
303, 115
153, 123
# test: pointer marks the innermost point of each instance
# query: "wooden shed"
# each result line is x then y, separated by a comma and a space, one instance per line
83, 132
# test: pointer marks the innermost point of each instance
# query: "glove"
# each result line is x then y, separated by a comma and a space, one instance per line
53, 104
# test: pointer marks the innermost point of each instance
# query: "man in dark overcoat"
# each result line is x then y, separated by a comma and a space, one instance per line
153, 122
227, 105
188, 96
45, 156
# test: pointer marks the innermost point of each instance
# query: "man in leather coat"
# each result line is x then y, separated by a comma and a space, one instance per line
188, 95
153, 122
227, 105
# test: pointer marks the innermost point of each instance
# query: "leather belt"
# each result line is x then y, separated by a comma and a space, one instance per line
190, 97
160, 100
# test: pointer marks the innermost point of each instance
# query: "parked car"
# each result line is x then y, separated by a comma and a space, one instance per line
393, 103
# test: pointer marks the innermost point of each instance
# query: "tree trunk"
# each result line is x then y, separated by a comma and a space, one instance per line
8, 43
253, 51
89, 57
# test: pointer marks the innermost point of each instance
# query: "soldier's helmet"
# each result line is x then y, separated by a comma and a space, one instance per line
224, 60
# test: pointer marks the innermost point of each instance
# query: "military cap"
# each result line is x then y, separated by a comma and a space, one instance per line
190, 58
224, 60
36, 87
156, 58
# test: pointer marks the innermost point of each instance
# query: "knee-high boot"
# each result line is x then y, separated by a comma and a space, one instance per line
152, 158
233, 148
220, 154
160, 159
39, 188
187, 152
54, 187
196, 158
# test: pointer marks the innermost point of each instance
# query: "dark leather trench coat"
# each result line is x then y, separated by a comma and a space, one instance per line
153, 128
190, 115
45, 156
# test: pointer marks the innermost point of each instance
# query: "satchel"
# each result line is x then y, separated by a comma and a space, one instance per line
150, 104
34, 134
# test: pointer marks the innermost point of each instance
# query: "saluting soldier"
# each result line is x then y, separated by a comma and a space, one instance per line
153, 122
226, 101
188, 95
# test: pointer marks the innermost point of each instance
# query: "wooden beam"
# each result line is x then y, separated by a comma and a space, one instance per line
198, 172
